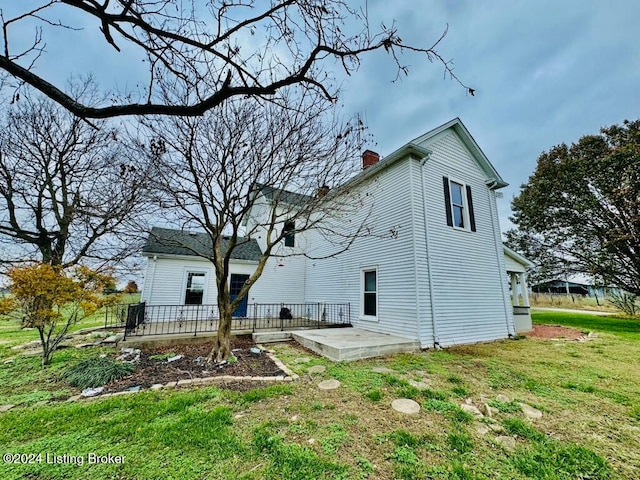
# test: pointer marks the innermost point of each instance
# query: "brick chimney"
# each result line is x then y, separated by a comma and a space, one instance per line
322, 191
369, 159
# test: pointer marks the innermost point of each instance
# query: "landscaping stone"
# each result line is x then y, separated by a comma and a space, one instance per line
329, 384
405, 405
156, 386
382, 370
488, 410
317, 369
92, 392
502, 398
482, 429
420, 385
184, 383
115, 339
506, 442
302, 360
496, 427
175, 358
6, 408
133, 389
74, 398
471, 409
85, 345
27, 346
530, 412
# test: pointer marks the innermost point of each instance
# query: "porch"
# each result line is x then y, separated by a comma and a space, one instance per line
517, 270
141, 320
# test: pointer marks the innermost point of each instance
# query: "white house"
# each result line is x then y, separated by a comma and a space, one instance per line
433, 268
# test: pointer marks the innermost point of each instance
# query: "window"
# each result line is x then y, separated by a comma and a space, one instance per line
370, 293
290, 238
194, 291
459, 205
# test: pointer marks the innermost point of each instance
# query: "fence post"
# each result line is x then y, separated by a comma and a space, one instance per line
281, 317
255, 315
195, 327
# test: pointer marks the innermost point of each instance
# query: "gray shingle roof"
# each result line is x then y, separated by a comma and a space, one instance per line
198, 244
284, 196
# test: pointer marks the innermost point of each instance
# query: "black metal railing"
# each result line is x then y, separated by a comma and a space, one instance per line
141, 319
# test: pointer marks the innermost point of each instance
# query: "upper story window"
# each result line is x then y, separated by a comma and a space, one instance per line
290, 238
194, 291
459, 205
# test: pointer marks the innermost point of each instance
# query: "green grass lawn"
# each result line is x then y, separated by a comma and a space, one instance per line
588, 392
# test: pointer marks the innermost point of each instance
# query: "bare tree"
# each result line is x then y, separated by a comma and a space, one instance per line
215, 169
68, 191
221, 49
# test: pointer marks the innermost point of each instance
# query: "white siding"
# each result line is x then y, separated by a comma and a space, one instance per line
470, 302
338, 279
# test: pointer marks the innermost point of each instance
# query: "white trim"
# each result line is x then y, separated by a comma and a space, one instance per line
196, 257
465, 206
185, 276
362, 316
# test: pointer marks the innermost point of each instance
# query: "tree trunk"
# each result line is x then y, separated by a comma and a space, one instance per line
222, 344
46, 352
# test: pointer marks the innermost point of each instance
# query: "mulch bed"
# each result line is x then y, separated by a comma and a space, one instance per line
554, 331
150, 371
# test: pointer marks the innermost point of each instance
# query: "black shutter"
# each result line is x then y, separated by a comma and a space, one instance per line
472, 217
447, 200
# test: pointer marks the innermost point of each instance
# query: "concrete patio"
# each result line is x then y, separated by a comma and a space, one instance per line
348, 344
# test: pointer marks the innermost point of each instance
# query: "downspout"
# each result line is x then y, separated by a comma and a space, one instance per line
415, 258
499, 253
436, 338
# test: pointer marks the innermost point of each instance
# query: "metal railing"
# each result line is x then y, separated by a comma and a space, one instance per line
142, 319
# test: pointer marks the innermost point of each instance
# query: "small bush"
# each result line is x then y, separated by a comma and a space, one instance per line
95, 372
626, 302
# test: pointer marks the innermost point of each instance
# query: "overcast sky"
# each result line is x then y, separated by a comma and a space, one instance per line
545, 72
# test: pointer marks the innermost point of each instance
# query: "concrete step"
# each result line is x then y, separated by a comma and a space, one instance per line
268, 337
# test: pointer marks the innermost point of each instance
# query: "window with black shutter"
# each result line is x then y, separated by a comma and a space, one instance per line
458, 205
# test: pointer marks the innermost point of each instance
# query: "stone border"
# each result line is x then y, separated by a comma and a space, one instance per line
197, 382
289, 376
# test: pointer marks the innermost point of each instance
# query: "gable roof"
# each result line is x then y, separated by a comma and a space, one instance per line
469, 142
165, 241
411, 150
284, 196
416, 151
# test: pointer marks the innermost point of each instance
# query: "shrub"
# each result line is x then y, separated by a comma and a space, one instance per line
95, 372
626, 302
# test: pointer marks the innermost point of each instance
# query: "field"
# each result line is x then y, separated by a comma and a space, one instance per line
587, 391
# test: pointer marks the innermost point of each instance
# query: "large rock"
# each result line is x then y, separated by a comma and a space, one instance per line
405, 405
115, 339
471, 409
530, 412
329, 384
508, 443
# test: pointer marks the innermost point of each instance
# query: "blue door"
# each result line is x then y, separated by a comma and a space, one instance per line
235, 285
